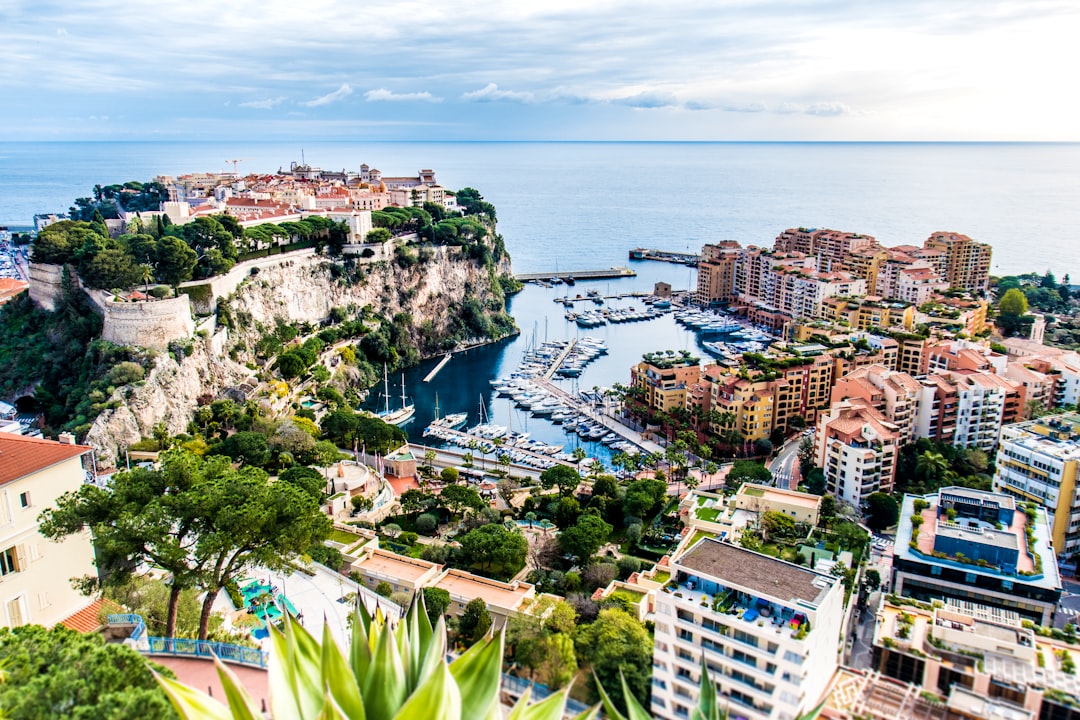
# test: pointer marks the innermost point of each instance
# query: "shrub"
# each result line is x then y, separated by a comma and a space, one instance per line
427, 524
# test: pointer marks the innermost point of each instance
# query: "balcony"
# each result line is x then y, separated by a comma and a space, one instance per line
737, 610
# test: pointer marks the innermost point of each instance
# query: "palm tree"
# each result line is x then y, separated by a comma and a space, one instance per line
931, 467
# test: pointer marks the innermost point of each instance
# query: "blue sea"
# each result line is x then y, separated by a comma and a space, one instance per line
584, 205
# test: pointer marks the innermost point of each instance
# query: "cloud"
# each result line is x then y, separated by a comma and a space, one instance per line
648, 99
827, 109
342, 92
266, 104
492, 93
61, 32
384, 95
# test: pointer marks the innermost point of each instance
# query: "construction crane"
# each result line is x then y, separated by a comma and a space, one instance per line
235, 163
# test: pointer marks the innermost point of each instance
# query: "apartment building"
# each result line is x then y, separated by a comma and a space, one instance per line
664, 380
856, 447
1038, 461
979, 547
832, 247
716, 273
917, 285
967, 263
768, 632
867, 312
894, 394
35, 572
983, 660
749, 403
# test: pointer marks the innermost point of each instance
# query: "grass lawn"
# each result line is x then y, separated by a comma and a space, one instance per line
770, 549
700, 534
754, 492
702, 500
345, 538
707, 514
662, 577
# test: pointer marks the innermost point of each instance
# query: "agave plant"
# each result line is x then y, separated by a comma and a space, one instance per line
392, 672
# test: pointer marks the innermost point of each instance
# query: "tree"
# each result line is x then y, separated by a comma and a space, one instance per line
64, 673
806, 455
747, 471
385, 589
475, 621
583, 539
617, 644
776, 525
111, 268
459, 498
1012, 306
494, 550
246, 447
175, 261
340, 426
872, 579
378, 235
567, 510
307, 479
413, 501
426, 524
882, 511
450, 475
565, 478
930, 467
436, 600
815, 481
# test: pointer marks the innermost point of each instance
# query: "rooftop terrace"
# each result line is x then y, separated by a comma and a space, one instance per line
756, 573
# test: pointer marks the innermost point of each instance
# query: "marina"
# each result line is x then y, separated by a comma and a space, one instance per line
558, 276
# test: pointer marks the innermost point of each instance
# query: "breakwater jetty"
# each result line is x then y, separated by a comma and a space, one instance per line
665, 256
561, 275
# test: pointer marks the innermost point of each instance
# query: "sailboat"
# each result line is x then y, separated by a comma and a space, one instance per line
452, 421
400, 416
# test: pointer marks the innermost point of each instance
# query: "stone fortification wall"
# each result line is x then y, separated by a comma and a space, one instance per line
151, 324
205, 303
45, 282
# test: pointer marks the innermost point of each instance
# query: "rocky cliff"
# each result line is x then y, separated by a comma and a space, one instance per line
306, 289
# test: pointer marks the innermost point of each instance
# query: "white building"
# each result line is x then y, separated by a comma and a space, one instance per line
35, 572
769, 632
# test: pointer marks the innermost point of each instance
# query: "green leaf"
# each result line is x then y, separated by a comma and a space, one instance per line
190, 703
306, 659
284, 701
633, 707
241, 705
518, 711
436, 651
359, 648
437, 698
478, 672
384, 688
338, 680
331, 711
589, 714
708, 708
609, 706
550, 708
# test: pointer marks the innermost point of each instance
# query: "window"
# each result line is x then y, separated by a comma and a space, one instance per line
9, 562
24, 499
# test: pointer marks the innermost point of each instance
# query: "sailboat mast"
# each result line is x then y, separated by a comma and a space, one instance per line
403, 390
386, 389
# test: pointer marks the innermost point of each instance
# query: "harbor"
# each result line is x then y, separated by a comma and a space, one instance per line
570, 276
580, 384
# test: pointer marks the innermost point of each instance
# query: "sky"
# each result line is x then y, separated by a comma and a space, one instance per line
547, 70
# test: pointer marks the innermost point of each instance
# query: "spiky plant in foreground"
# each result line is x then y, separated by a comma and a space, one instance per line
391, 673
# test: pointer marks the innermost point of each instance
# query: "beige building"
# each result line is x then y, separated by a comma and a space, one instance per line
967, 263
403, 574
716, 273
857, 448
35, 572
502, 599
894, 394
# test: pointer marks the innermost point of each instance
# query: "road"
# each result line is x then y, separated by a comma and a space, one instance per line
785, 466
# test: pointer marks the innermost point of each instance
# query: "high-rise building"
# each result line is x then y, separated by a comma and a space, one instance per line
1038, 460
664, 380
716, 273
856, 447
893, 394
768, 631
976, 546
967, 263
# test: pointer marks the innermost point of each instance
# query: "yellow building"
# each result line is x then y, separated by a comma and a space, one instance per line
35, 572
664, 379
967, 263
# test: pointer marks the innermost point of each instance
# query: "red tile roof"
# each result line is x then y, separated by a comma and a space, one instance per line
20, 456
86, 620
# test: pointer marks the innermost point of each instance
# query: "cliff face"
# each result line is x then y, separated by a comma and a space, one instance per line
307, 291
167, 395
300, 290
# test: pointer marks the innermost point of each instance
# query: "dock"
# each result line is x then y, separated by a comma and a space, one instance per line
613, 272
557, 363
665, 256
610, 423
435, 370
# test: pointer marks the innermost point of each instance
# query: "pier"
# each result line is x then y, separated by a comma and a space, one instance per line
614, 272
610, 423
665, 256
435, 370
558, 361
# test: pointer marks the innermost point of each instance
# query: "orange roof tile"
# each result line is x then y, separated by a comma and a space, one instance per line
86, 620
21, 456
